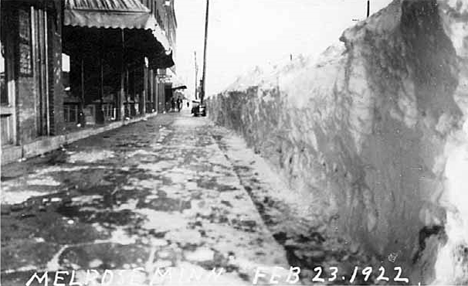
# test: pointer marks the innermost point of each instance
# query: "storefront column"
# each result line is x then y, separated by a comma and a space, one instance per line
154, 100
150, 96
121, 106
145, 91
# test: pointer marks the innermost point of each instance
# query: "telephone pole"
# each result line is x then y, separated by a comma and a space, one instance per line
196, 73
368, 8
202, 93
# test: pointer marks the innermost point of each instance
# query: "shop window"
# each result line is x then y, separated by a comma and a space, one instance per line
66, 73
71, 106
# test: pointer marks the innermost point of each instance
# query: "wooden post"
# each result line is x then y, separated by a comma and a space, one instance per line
155, 95
122, 78
127, 93
202, 95
101, 91
196, 74
36, 69
152, 92
46, 73
368, 8
146, 90
42, 71
82, 115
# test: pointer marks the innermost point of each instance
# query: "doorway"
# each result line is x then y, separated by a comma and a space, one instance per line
7, 82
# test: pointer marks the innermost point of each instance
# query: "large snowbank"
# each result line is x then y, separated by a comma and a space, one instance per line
367, 129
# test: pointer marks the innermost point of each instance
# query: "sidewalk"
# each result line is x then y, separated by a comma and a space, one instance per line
46, 144
157, 201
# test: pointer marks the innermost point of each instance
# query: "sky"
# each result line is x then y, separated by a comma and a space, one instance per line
243, 34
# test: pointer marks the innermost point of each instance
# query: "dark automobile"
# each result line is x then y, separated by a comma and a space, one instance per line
198, 109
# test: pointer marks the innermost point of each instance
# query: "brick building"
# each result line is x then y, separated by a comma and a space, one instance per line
115, 50
31, 99
164, 13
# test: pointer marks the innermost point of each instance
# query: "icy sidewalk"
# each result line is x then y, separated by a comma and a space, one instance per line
156, 202
313, 244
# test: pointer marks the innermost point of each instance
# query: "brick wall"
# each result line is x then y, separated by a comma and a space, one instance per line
26, 88
56, 70
30, 98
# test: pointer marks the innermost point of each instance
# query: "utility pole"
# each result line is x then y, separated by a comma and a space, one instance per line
196, 73
368, 8
202, 93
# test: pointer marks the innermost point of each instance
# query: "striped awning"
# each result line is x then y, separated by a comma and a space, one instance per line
149, 38
123, 14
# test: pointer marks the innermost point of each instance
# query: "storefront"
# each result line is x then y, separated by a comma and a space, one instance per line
75, 63
112, 52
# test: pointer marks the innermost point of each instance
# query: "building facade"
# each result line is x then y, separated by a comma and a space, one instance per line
31, 99
164, 13
110, 71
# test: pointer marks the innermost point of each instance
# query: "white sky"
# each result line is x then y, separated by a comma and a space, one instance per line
245, 33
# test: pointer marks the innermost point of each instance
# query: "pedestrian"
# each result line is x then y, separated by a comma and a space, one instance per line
179, 104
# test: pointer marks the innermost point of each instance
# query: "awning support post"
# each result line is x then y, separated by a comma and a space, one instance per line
122, 78
82, 113
146, 91
100, 112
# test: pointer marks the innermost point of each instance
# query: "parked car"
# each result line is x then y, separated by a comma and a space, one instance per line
198, 109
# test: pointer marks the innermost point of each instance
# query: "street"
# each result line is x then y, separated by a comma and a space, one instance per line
152, 142
153, 194
174, 192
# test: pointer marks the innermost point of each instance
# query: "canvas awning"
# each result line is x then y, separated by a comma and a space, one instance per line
159, 34
123, 14
146, 36
161, 60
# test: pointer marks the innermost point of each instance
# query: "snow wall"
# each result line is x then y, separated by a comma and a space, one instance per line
373, 135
